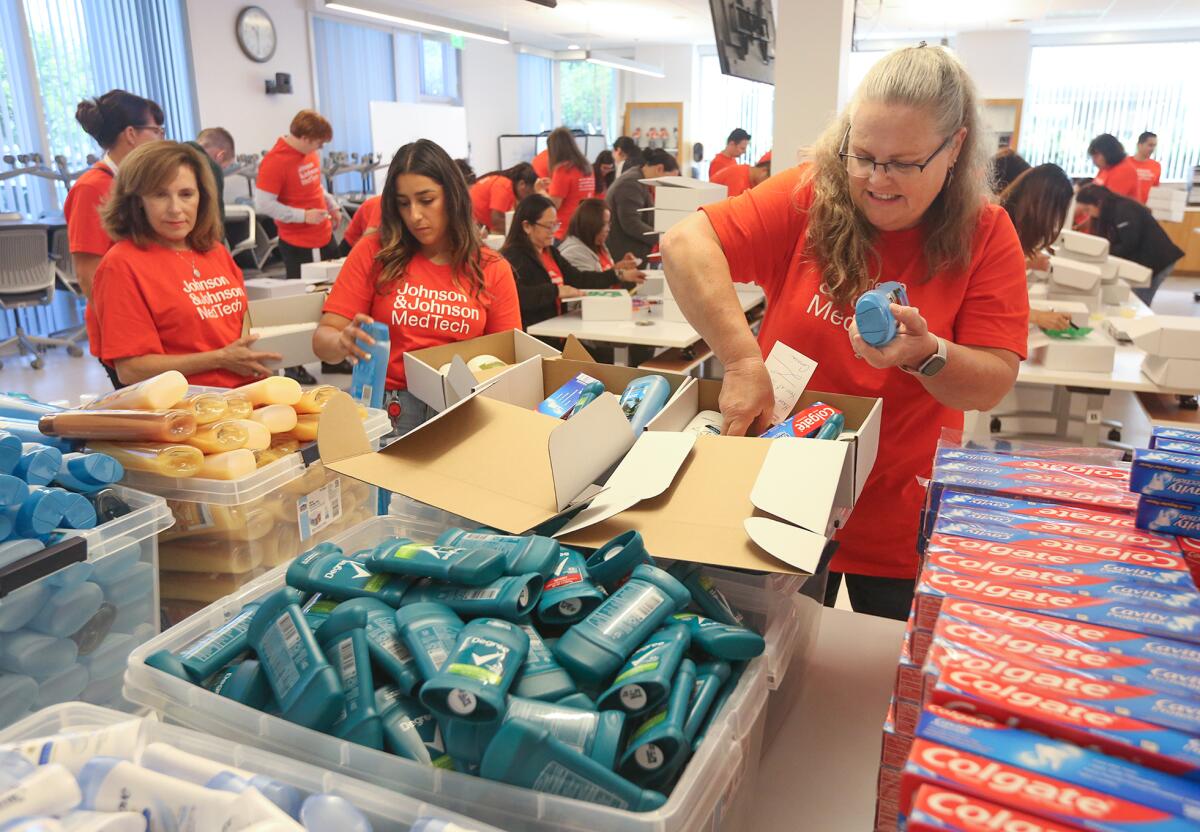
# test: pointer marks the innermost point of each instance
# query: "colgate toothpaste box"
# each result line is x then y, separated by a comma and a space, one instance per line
1173, 447
896, 743
1030, 791
1024, 527
1092, 473
1091, 562
1137, 607
1170, 516
908, 671
936, 809
1157, 473
1107, 497
1183, 436
1039, 509
1068, 763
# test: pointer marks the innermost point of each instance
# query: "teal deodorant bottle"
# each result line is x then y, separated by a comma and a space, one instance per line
462, 565
325, 569
530, 553
474, 681
645, 681
430, 631
722, 641
613, 563
569, 594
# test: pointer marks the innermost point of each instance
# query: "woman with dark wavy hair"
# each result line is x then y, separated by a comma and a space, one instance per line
425, 275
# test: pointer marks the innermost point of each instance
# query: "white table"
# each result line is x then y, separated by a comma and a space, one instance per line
646, 330
820, 770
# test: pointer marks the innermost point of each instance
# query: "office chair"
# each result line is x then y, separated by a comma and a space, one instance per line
26, 279
64, 270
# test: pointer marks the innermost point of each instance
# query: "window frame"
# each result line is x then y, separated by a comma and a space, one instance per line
451, 66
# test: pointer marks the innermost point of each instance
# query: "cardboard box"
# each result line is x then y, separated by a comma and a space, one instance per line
714, 499
325, 271
1079, 312
1167, 336
1166, 197
494, 241
286, 325
1179, 373
1091, 299
1135, 274
1168, 214
1073, 276
1094, 353
607, 305
680, 193
665, 219
426, 382
265, 288
1080, 244
1109, 270
1115, 294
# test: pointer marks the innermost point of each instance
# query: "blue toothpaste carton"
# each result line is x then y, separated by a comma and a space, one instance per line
1157, 473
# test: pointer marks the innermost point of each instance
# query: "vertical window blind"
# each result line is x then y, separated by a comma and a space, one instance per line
1076, 93
535, 86
725, 103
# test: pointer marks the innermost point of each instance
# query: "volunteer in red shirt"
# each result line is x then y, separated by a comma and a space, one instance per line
1149, 171
1117, 171
289, 191
425, 275
571, 178
739, 178
365, 220
897, 191
541, 164
495, 194
168, 295
735, 147
119, 121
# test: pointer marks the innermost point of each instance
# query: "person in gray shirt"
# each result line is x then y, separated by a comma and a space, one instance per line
633, 230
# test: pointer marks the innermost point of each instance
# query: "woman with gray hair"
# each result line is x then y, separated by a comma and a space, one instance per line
897, 191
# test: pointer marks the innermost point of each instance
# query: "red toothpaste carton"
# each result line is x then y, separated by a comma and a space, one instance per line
1006, 462
1072, 494
1038, 509
1089, 577
937, 809
908, 671
894, 749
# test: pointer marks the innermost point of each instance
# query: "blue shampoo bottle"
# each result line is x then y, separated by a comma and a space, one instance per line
38, 464
873, 312
524, 754
41, 513
541, 677
369, 377
346, 648
642, 400
210, 652
474, 681
78, 513
10, 452
594, 649
389, 654
645, 681
325, 569
658, 748
722, 641
306, 688
530, 553
613, 563
430, 631
569, 594
511, 597
705, 593
410, 729
462, 565
24, 431
710, 678
14, 491
87, 473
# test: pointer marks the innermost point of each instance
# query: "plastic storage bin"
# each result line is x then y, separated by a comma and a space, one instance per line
714, 792
387, 811
229, 532
68, 635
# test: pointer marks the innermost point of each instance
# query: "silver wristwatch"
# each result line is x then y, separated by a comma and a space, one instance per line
932, 365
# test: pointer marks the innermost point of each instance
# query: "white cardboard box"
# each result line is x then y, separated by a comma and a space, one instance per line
1181, 373
665, 219
1078, 243
264, 288
607, 305
1166, 336
1109, 270
1079, 312
1167, 214
680, 193
1166, 197
1115, 294
1089, 299
325, 271
1093, 353
286, 326
422, 368
1073, 275
1135, 274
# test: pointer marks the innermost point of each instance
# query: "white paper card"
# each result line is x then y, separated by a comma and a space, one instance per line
790, 372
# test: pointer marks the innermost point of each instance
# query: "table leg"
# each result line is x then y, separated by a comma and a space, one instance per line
620, 355
1060, 406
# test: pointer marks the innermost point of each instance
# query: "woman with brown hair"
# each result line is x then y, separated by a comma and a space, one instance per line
571, 176
1037, 202
898, 190
585, 246
425, 275
167, 295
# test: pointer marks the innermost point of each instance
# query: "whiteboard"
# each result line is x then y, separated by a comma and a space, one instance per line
395, 124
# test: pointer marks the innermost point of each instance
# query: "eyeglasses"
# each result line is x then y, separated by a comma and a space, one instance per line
861, 167
157, 129
551, 228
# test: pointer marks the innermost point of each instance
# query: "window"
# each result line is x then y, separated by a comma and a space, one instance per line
439, 70
18, 121
726, 103
535, 85
1076, 93
588, 93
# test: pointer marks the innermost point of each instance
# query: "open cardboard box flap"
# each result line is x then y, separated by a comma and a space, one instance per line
422, 367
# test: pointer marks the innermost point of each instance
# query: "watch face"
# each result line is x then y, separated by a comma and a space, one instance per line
256, 34
933, 365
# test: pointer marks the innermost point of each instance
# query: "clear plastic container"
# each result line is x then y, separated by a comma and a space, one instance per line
714, 792
387, 810
113, 597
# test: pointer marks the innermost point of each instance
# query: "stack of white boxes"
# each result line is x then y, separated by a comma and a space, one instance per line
676, 197
1078, 269
1172, 345
1167, 204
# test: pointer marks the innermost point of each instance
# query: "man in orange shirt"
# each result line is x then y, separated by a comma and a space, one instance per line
735, 146
739, 178
1149, 171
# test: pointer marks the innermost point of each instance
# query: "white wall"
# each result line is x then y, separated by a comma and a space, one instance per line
489, 86
230, 89
998, 61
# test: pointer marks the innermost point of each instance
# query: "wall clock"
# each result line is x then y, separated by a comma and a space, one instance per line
256, 34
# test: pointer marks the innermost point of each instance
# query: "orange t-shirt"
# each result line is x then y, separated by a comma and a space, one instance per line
606, 261
734, 177
150, 302
492, 193
762, 233
1121, 178
368, 215
572, 186
295, 178
719, 163
1149, 175
541, 164
85, 232
428, 307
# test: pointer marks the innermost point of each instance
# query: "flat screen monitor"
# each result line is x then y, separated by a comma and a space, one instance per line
745, 33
